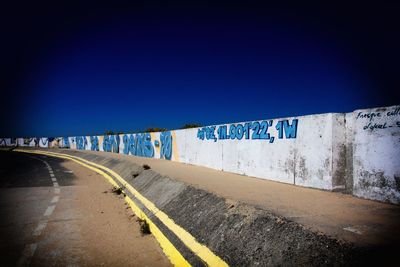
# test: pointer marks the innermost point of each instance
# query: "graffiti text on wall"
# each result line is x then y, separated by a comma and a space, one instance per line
43, 142
379, 120
111, 143
138, 145
250, 130
166, 145
65, 142
94, 142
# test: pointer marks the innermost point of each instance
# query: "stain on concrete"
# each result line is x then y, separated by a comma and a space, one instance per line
384, 186
303, 172
320, 174
327, 164
339, 176
349, 168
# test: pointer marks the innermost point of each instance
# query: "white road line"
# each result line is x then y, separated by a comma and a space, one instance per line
30, 249
40, 228
27, 255
49, 210
55, 199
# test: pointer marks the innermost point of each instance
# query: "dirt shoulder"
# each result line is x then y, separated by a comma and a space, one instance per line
110, 233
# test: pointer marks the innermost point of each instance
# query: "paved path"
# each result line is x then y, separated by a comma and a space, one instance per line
348, 218
57, 213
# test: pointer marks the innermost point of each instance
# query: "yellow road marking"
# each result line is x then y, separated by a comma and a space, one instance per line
201, 250
169, 249
173, 254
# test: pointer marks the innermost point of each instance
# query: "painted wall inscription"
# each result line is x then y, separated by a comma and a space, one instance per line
256, 130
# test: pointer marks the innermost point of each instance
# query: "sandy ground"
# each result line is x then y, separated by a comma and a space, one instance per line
90, 226
342, 216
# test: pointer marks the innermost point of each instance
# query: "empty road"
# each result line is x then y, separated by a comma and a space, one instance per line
55, 212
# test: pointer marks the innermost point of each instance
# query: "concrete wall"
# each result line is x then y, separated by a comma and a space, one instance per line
355, 152
33, 142
376, 153
282, 151
8, 141
295, 150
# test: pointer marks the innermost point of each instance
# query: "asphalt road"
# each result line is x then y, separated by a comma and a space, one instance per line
54, 212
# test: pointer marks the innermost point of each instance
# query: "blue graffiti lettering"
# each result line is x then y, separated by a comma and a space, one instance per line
201, 133
125, 141
222, 132
148, 146
256, 130
207, 133
111, 143
290, 130
81, 142
94, 143
166, 145
132, 145
138, 145
144, 146
65, 142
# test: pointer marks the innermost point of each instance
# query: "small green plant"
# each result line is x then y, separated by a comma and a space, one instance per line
146, 167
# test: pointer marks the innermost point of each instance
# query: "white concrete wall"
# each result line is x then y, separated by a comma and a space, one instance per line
289, 160
353, 152
281, 152
8, 141
376, 153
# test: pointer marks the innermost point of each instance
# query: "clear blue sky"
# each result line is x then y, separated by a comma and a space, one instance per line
129, 67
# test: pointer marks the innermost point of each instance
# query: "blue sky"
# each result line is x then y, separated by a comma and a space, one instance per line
129, 69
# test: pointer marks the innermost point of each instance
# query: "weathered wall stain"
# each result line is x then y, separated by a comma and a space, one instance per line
339, 177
